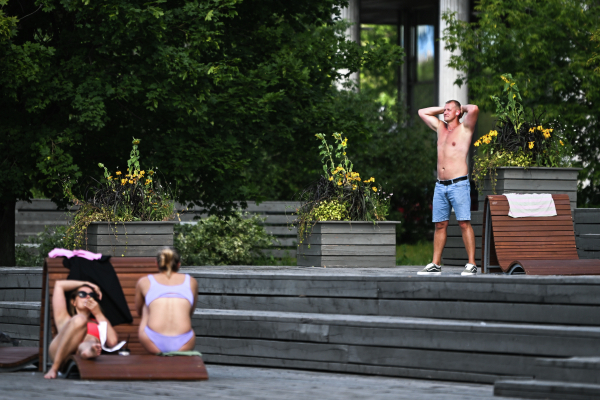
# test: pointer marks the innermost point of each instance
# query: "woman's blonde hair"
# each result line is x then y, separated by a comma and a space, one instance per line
168, 260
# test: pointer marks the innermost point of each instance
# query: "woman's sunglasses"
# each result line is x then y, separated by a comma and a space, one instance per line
83, 294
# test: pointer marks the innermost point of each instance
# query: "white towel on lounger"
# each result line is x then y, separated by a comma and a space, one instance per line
530, 205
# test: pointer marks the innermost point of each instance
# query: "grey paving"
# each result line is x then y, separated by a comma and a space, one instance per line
228, 382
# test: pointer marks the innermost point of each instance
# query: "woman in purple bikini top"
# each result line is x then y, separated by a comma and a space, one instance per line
166, 301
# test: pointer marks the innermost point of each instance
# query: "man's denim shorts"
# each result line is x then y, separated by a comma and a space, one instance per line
457, 196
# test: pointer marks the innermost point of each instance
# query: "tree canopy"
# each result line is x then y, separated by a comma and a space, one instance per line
545, 45
220, 92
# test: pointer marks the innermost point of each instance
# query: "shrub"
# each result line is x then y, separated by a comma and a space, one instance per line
29, 256
233, 240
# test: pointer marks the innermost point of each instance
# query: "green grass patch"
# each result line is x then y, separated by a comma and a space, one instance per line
419, 253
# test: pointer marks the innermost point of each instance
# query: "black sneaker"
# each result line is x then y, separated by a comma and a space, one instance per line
431, 269
470, 269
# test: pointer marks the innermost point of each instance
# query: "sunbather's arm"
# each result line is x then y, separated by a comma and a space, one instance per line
194, 287
140, 288
59, 300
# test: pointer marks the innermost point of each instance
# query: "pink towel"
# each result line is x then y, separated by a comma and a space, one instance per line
530, 205
75, 253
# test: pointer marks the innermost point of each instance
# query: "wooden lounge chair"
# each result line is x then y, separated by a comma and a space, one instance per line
139, 365
532, 245
16, 358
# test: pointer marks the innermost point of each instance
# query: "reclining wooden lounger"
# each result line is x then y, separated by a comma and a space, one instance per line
531, 245
16, 358
139, 365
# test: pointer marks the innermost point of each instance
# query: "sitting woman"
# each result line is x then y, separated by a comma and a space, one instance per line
77, 326
166, 302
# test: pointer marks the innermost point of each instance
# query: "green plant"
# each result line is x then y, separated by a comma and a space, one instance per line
518, 140
340, 194
419, 253
330, 210
234, 240
42, 244
134, 196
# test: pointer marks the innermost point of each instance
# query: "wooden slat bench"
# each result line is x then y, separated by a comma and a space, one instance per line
15, 358
532, 245
140, 365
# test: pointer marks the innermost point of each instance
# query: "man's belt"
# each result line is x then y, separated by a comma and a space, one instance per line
451, 181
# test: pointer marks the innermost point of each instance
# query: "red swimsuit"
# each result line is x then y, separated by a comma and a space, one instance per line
92, 328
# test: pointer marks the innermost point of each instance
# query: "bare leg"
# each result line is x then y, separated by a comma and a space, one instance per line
66, 342
469, 239
144, 339
439, 241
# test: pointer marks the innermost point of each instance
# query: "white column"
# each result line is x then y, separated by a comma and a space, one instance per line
352, 15
447, 90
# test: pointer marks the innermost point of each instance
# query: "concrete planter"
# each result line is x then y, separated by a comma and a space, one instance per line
129, 239
349, 244
534, 180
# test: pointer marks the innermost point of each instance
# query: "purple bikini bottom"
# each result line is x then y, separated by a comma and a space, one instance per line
167, 344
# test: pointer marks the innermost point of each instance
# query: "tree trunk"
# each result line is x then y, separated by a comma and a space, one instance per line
7, 234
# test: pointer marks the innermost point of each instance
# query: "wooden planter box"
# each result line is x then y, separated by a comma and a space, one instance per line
129, 239
534, 180
349, 244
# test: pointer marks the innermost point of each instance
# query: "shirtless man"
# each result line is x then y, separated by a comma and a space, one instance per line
452, 189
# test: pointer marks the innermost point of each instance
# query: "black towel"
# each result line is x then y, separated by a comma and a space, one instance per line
102, 273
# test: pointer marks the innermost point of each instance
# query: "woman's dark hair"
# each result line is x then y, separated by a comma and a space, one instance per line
71, 308
168, 260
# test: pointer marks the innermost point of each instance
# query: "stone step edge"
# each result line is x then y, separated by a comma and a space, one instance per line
341, 274
371, 321
572, 362
536, 389
389, 322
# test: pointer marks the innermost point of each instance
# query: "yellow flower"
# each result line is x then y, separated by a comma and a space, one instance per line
504, 79
374, 188
531, 130
109, 178
531, 145
547, 133
514, 95
151, 172
339, 183
131, 181
142, 173
118, 173
353, 187
344, 153
331, 178
540, 128
477, 143
493, 133
512, 84
123, 181
561, 143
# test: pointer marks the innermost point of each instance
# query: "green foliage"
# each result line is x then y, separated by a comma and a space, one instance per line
330, 210
50, 238
546, 46
208, 86
233, 240
419, 253
381, 82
